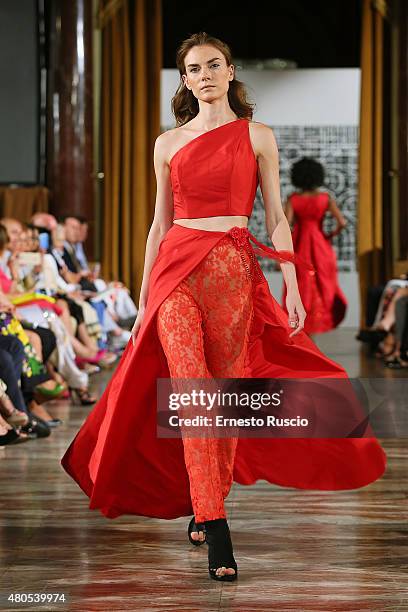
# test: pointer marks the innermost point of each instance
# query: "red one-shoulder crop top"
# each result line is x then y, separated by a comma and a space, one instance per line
215, 174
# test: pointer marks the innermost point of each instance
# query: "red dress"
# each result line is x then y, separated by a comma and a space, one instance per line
324, 301
116, 457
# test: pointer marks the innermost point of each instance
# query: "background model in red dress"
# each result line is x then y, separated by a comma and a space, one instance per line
323, 299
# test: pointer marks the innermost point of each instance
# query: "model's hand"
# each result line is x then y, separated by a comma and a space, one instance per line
297, 313
137, 324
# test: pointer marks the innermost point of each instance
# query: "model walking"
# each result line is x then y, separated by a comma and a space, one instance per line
322, 297
205, 310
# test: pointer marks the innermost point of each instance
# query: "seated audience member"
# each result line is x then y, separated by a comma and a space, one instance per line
398, 358
394, 288
60, 325
385, 334
79, 245
88, 330
118, 338
121, 308
385, 318
20, 238
71, 227
25, 365
94, 300
123, 304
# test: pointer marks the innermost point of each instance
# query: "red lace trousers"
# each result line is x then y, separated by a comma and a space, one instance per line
203, 326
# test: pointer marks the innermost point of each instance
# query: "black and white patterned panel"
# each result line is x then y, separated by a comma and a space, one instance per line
336, 147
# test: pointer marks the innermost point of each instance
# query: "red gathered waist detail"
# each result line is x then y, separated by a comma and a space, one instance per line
242, 235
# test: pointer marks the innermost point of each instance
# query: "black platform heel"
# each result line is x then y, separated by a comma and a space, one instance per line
193, 526
220, 552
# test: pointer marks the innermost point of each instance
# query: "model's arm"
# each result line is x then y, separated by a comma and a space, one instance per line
333, 209
277, 225
162, 221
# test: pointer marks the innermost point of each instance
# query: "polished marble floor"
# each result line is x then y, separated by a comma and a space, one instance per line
296, 550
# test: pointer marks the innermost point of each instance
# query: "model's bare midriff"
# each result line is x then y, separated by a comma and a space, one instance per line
214, 224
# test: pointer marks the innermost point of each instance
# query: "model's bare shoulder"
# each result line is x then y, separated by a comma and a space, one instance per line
259, 128
163, 142
262, 138
167, 143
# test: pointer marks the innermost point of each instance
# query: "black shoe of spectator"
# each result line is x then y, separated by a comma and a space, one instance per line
372, 336
12, 437
396, 364
37, 426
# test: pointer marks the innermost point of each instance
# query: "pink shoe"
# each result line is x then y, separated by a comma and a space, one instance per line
94, 360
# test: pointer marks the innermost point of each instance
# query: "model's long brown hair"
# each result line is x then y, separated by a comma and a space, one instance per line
185, 105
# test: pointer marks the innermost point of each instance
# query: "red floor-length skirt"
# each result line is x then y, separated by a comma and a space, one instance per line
124, 468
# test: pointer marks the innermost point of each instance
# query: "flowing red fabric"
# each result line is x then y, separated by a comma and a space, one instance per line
117, 458
322, 297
